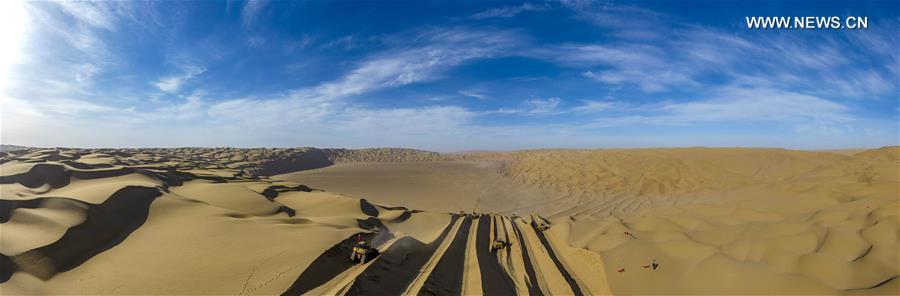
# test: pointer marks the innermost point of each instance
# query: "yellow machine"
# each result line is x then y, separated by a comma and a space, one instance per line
499, 244
360, 251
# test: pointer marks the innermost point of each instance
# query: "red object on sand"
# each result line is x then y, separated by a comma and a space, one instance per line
621, 270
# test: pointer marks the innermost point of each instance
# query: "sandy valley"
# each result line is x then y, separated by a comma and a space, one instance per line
443, 186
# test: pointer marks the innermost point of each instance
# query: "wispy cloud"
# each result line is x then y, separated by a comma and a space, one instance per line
733, 105
829, 66
474, 94
71, 54
172, 84
509, 11
251, 10
541, 106
646, 67
346, 42
589, 106
436, 51
533, 107
95, 14
407, 121
327, 104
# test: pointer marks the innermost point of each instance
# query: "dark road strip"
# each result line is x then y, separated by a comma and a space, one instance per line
496, 232
533, 287
494, 279
565, 273
447, 276
397, 267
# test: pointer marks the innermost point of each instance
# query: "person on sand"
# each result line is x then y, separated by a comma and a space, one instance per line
652, 264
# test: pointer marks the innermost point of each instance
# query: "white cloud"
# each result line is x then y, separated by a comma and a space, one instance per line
95, 14
742, 104
406, 121
533, 107
733, 104
541, 106
327, 106
171, 84
594, 106
646, 67
440, 50
508, 11
346, 42
474, 94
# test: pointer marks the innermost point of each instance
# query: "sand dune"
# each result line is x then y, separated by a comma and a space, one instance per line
573, 222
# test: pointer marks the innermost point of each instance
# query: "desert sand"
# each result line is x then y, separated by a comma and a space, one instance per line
441, 186
571, 222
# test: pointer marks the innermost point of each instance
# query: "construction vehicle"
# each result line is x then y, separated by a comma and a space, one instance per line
360, 251
499, 244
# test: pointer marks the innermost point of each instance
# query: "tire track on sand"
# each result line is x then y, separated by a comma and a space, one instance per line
447, 276
494, 280
565, 273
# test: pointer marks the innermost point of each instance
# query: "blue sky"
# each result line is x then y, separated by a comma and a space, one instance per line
445, 76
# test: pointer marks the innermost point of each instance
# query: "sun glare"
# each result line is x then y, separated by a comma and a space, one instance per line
13, 20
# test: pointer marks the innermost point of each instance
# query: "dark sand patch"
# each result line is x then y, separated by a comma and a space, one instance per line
447, 276
494, 280
533, 287
106, 225
565, 273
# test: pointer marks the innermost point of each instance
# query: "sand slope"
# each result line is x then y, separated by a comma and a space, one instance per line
441, 186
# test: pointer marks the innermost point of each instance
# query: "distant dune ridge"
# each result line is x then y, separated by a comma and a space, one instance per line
241, 221
5, 148
380, 155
